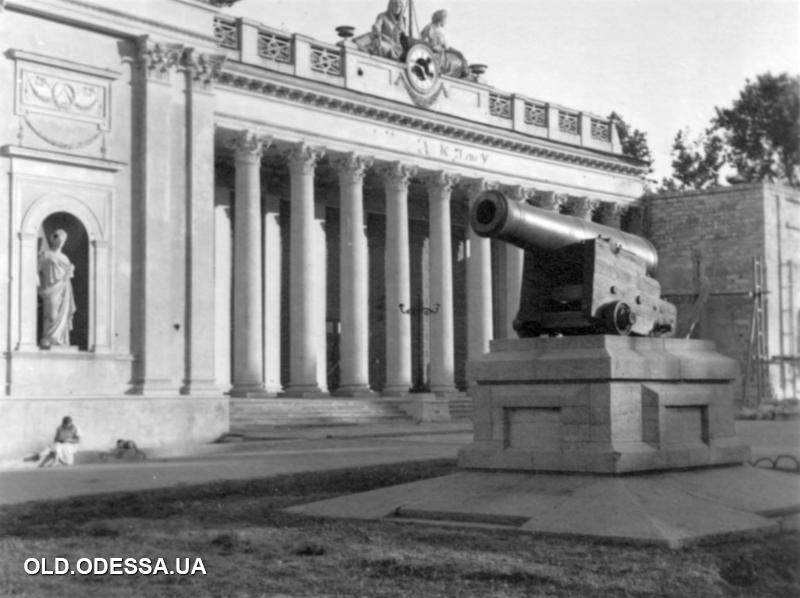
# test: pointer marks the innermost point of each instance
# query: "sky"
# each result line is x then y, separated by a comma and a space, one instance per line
662, 64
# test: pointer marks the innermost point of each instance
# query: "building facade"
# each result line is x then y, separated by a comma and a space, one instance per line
257, 218
710, 243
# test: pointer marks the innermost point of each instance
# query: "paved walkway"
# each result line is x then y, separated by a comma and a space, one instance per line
292, 450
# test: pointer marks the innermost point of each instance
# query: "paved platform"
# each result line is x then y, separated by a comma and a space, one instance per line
274, 451
671, 509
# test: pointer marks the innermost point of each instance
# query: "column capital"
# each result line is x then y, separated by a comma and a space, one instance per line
158, 60
611, 213
518, 193
248, 146
582, 207
611, 209
397, 173
550, 200
441, 182
303, 158
474, 187
203, 68
351, 165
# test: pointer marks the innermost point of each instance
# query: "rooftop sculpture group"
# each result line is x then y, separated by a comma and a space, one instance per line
392, 37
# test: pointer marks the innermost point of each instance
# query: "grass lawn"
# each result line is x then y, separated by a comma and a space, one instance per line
249, 547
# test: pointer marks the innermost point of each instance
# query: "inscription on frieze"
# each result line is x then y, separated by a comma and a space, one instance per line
451, 152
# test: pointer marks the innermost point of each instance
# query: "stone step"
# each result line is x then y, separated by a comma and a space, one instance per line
247, 413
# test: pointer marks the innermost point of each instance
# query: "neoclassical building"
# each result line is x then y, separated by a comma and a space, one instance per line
264, 227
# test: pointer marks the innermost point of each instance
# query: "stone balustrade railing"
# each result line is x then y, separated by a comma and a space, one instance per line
342, 65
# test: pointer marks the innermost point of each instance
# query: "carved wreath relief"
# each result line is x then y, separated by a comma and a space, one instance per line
63, 107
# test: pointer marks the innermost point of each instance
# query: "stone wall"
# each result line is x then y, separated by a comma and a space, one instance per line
714, 236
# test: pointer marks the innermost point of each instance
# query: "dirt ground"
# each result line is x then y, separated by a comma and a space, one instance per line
249, 547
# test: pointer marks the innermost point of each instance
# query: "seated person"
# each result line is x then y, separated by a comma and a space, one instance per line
451, 61
64, 447
389, 31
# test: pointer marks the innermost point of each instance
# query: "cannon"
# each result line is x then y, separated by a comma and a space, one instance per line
579, 277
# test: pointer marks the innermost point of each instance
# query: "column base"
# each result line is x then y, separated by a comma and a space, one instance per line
446, 392
355, 391
304, 391
200, 388
155, 387
250, 391
396, 391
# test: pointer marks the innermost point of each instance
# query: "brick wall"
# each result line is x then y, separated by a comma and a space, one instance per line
715, 235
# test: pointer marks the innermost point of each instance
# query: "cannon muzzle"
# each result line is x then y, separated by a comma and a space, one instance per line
494, 215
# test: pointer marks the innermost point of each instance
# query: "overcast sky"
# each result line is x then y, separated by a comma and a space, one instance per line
662, 64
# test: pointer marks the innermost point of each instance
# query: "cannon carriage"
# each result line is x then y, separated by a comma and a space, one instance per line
579, 277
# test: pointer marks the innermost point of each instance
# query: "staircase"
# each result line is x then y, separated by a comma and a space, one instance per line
461, 407
249, 413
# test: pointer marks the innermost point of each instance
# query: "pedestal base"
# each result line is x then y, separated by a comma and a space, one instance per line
602, 404
672, 509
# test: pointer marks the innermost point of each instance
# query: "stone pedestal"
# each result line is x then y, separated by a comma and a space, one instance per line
569, 415
602, 404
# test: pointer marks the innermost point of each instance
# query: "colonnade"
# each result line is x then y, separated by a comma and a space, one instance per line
256, 338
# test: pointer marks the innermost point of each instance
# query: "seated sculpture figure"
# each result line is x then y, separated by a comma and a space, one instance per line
55, 290
451, 61
389, 32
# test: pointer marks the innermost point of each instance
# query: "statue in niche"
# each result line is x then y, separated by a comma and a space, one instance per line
451, 61
389, 37
55, 289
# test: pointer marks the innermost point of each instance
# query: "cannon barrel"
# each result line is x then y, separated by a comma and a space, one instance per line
494, 215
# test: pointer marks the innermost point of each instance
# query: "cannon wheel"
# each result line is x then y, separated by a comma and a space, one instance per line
618, 318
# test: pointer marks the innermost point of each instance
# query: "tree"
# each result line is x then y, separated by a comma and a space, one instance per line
696, 164
633, 141
762, 129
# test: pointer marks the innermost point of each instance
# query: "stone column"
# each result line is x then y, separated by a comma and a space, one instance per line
479, 284
582, 207
353, 279
304, 304
610, 213
319, 292
271, 252
247, 316
100, 330
514, 261
153, 331
440, 187
28, 281
201, 71
550, 200
398, 280
223, 283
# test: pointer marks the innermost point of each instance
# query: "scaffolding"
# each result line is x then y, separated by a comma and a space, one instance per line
788, 359
756, 368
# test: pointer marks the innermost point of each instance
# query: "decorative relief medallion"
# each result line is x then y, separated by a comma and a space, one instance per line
63, 103
421, 75
62, 96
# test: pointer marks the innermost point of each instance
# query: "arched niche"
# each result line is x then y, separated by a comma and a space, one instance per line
76, 249
53, 211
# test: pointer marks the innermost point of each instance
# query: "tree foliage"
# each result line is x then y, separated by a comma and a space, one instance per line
758, 138
762, 129
633, 141
696, 163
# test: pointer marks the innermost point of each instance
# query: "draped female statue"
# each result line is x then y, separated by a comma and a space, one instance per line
389, 31
55, 289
